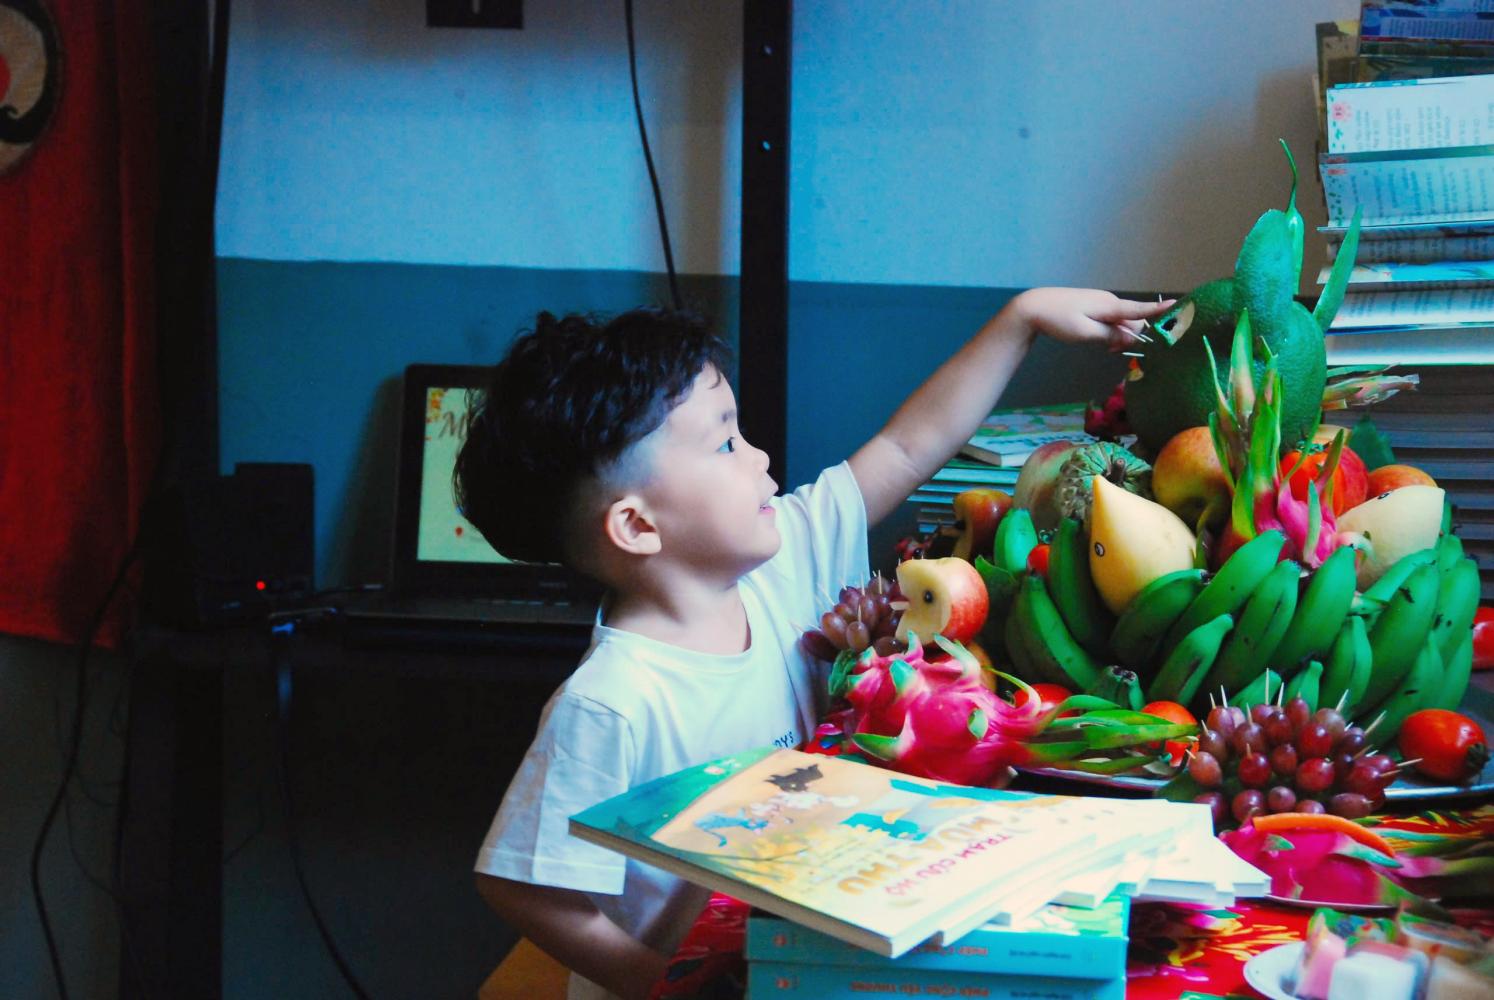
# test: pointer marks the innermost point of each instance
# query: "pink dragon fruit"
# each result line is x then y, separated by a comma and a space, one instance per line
1246, 428
1328, 866
939, 720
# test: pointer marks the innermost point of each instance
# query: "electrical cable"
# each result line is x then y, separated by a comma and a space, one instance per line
75, 740
648, 158
281, 633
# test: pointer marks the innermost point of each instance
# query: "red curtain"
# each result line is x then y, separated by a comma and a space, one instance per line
79, 410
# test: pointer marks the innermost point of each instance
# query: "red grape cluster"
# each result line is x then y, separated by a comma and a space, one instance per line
863, 617
1287, 758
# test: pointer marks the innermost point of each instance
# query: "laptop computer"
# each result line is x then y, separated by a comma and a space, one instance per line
442, 571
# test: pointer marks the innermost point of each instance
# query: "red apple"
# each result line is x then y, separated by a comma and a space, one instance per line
1187, 477
1350, 482
977, 513
945, 596
1038, 480
1393, 477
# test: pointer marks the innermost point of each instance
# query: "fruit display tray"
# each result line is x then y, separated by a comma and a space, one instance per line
1477, 704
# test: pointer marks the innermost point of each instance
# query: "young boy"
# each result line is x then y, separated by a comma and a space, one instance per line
614, 449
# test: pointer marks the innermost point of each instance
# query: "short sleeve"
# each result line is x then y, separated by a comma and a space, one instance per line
582, 755
823, 527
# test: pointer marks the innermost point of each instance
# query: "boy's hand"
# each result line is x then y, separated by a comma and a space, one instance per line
1086, 315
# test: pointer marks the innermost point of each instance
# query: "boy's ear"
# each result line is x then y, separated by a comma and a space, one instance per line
630, 528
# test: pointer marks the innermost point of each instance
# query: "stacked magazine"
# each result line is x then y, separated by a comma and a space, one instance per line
993, 457
887, 862
1407, 143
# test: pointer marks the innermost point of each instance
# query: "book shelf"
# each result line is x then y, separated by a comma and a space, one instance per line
1404, 140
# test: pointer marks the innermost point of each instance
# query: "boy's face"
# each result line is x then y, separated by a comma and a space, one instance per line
709, 489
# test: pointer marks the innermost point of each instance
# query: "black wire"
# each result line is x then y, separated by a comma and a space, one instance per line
75, 739
648, 158
283, 678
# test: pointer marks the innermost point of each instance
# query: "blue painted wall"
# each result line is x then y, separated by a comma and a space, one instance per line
392, 194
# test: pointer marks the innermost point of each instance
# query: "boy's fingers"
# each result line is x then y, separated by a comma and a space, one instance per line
1146, 310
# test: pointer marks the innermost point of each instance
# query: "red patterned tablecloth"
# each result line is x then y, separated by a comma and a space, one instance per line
1175, 950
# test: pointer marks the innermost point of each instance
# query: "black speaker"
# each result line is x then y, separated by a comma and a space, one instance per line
233, 548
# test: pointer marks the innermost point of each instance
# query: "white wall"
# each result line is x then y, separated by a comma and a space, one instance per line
982, 142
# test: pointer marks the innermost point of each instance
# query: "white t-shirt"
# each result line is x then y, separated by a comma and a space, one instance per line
637, 709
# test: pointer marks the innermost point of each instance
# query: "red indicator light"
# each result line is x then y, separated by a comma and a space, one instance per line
259, 585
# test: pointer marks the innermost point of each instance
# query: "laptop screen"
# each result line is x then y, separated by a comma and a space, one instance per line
436, 549
443, 533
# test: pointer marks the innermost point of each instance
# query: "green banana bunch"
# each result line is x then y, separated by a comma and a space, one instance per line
1379, 592
1457, 667
1231, 587
1449, 551
1266, 618
1074, 591
1015, 540
1321, 611
1121, 686
1415, 691
1400, 631
1307, 685
1346, 672
1258, 691
1184, 670
1051, 649
1139, 630
1458, 592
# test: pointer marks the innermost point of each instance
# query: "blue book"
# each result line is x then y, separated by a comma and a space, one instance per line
782, 980
1064, 941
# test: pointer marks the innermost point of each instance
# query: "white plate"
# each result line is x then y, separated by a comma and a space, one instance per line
1313, 904
1477, 704
1267, 972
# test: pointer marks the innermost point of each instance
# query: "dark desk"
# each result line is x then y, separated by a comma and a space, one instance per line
172, 846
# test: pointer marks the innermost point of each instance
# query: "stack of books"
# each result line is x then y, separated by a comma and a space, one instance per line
887, 862
993, 457
1058, 952
1406, 141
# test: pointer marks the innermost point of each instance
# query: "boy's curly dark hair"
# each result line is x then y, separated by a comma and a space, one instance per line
562, 406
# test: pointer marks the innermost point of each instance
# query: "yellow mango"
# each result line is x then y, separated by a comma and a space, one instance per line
1132, 541
1395, 524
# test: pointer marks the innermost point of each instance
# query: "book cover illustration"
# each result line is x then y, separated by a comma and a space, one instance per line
881, 855
1033, 420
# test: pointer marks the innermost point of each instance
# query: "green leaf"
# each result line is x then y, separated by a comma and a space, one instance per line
1104, 765
1241, 371
1001, 583
1106, 738
1295, 223
1182, 788
1276, 842
1370, 444
1338, 278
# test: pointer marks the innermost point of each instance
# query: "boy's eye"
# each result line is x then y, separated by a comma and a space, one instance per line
729, 445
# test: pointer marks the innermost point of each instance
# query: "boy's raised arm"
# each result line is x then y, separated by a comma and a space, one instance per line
569, 928
945, 410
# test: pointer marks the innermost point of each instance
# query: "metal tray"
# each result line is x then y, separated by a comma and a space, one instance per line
1478, 705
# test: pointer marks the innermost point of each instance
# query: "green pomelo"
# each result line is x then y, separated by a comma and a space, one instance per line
1172, 392
1212, 305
